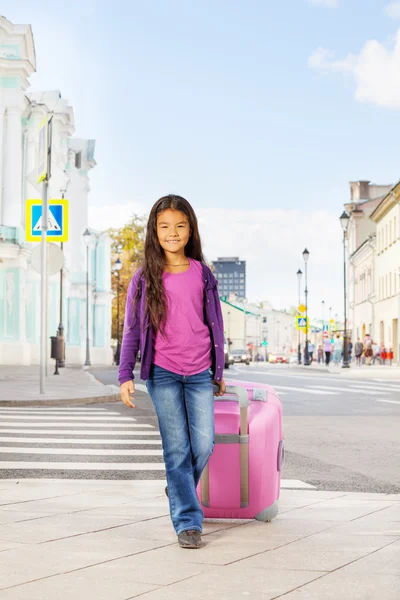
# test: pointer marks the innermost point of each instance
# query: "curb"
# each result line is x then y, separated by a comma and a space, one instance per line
62, 402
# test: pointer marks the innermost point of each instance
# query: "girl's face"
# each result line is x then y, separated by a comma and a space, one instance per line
173, 231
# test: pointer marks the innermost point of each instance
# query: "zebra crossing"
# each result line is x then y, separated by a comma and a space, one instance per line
76, 443
385, 391
39, 444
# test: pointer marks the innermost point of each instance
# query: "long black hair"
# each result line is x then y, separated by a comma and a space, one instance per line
154, 258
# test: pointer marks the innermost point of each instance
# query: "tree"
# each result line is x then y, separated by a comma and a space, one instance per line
127, 245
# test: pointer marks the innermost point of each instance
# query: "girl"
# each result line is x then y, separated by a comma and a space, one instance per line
173, 315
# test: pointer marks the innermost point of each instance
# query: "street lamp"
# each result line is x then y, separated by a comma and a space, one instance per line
87, 238
61, 361
118, 267
299, 276
323, 320
306, 254
344, 221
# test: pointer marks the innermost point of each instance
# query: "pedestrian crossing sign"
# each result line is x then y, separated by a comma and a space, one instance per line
302, 323
57, 221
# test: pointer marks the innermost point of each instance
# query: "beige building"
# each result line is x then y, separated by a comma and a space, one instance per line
361, 289
386, 218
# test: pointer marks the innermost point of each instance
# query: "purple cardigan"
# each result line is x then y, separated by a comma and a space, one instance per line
137, 336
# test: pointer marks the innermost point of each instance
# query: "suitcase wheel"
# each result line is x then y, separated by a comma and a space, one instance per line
268, 514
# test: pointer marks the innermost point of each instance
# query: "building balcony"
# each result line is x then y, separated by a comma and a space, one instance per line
9, 234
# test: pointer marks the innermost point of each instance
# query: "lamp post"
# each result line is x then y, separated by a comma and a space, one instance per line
87, 237
344, 221
61, 362
306, 254
118, 267
323, 321
299, 276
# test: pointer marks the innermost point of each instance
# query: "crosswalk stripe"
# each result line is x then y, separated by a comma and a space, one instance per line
73, 466
388, 401
79, 431
386, 388
77, 425
19, 411
305, 390
285, 483
52, 408
345, 389
46, 440
83, 451
58, 419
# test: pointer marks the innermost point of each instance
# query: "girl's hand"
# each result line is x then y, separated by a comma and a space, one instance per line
127, 389
222, 387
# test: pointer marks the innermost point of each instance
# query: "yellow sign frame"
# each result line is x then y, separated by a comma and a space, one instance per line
302, 328
49, 238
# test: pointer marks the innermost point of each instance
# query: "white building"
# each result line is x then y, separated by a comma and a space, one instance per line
386, 218
72, 159
361, 290
246, 323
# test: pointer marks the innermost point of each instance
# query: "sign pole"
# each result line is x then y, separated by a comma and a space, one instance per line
44, 174
43, 295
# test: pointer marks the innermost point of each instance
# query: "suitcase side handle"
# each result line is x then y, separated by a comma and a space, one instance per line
235, 390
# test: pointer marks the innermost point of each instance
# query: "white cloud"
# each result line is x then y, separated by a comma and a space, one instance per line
393, 10
272, 242
113, 215
376, 70
327, 3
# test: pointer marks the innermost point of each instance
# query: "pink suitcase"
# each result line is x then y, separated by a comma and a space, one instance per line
242, 478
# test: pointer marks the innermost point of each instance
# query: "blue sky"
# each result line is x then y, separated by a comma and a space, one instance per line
216, 100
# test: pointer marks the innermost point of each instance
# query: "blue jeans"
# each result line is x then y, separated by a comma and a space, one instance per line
185, 411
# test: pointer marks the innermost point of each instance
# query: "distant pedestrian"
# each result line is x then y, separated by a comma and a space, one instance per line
350, 350
337, 350
311, 350
368, 352
376, 353
327, 351
358, 351
320, 355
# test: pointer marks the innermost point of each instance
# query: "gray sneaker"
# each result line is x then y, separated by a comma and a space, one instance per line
190, 539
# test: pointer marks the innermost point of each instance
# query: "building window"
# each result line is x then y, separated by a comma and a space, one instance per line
394, 229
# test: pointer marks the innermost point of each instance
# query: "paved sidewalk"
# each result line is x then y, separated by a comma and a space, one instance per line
105, 540
20, 385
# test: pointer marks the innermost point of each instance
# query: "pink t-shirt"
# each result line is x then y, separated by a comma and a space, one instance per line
185, 348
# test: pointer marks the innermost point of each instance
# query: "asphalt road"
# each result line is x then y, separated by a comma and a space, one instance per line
340, 434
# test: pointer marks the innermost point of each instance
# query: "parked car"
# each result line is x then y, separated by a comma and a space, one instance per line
277, 359
226, 353
239, 355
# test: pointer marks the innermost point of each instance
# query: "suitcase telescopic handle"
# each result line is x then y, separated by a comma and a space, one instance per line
244, 402
234, 390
